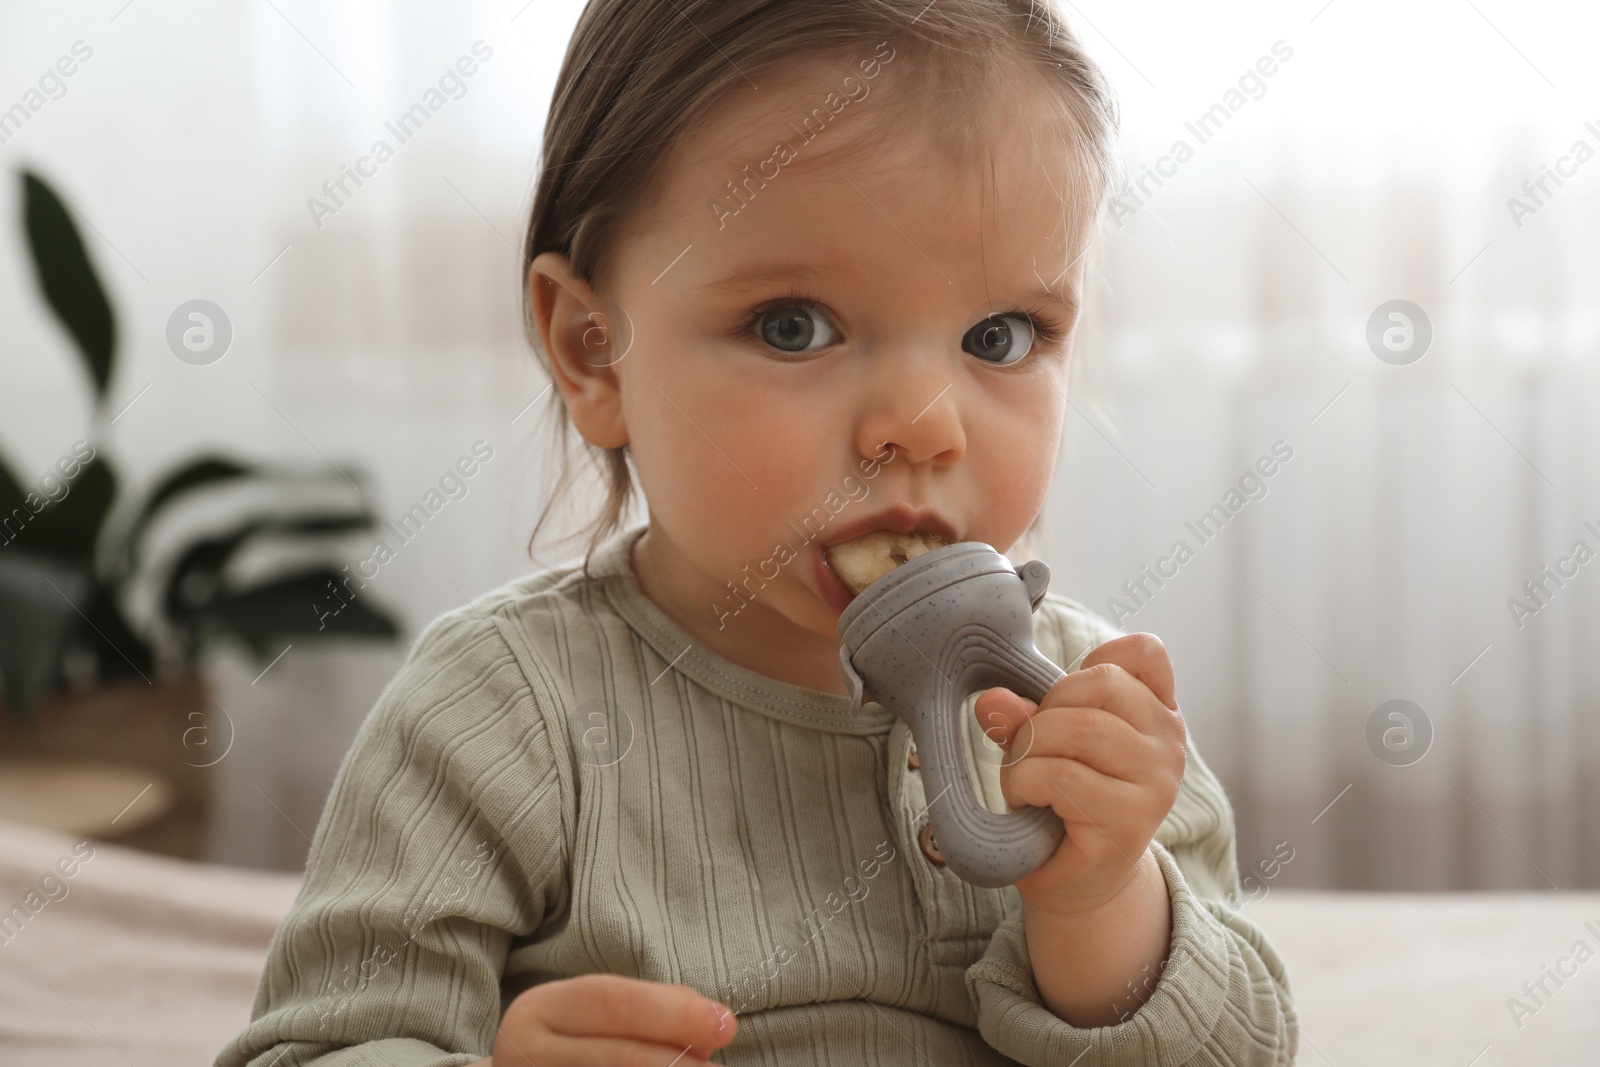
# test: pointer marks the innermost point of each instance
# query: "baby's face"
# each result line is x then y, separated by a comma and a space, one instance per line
782, 347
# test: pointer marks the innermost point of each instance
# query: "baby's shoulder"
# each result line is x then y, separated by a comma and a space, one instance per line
503, 644
1065, 630
491, 677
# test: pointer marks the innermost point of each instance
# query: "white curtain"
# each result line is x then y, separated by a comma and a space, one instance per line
1226, 314
1377, 563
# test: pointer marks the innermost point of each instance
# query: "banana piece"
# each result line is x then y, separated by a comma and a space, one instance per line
862, 560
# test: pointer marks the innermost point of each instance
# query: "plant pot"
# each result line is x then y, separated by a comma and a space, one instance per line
167, 733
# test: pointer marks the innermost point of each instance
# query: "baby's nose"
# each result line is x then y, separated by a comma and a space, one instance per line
917, 411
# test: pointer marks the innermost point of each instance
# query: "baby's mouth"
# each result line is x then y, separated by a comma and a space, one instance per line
862, 560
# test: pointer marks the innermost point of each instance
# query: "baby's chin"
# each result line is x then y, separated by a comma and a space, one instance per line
809, 610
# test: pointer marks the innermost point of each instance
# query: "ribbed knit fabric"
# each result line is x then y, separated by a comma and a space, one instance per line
559, 780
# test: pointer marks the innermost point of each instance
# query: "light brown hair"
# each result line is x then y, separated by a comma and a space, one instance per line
639, 74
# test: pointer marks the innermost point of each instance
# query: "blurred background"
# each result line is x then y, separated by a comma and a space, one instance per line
1349, 274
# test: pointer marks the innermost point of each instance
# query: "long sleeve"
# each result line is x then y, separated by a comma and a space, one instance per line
1222, 997
472, 848
445, 838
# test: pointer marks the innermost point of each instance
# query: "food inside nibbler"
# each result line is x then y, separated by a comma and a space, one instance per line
862, 560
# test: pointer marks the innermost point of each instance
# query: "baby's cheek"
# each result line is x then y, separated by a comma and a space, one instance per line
1027, 434
1011, 476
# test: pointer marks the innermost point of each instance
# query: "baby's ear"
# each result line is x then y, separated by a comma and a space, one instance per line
582, 338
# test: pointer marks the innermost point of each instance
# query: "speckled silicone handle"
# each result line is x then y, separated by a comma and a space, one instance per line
919, 641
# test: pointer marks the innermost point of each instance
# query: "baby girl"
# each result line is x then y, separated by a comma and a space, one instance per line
622, 811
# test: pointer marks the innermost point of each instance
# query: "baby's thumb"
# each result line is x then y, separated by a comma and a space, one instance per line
1001, 714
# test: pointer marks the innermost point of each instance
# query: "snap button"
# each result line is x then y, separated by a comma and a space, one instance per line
912, 759
930, 847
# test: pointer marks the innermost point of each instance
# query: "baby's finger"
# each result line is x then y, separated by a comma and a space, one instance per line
1093, 736
1143, 656
1076, 792
1001, 713
609, 1005
1110, 686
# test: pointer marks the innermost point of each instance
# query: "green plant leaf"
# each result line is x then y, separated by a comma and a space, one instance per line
194, 584
192, 475
119, 652
37, 594
70, 528
203, 561
195, 576
331, 523
68, 278
298, 604
12, 496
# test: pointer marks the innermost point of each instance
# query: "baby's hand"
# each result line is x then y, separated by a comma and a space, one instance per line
1105, 751
601, 1020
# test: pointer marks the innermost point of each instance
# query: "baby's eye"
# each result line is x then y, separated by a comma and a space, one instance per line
1000, 339
796, 328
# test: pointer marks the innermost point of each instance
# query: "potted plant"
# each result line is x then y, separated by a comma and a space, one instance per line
79, 674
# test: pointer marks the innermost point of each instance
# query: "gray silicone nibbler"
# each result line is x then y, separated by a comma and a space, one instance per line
919, 641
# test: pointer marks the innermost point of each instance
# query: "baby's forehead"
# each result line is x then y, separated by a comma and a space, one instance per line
870, 196
826, 125
766, 152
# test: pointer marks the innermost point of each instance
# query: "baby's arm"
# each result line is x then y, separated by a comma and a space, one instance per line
444, 838
1222, 994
